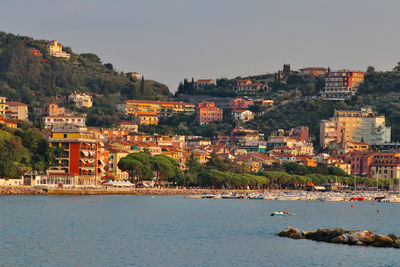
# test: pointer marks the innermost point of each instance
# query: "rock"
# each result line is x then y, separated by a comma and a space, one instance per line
291, 232
359, 243
381, 241
364, 236
393, 237
339, 239
310, 234
397, 243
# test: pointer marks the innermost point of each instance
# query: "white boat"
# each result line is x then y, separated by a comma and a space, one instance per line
288, 198
391, 200
332, 199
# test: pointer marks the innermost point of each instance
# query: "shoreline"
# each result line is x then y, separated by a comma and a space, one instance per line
26, 190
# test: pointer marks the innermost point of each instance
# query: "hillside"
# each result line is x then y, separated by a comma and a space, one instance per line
380, 91
36, 78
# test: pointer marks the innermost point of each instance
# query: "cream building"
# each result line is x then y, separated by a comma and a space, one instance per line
81, 100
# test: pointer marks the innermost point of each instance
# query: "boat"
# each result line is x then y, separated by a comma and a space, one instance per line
288, 198
282, 213
390, 200
256, 197
208, 196
229, 196
332, 199
357, 199
193, 196
380, 198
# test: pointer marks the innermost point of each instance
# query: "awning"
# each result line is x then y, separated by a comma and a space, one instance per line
85, 153
101, 162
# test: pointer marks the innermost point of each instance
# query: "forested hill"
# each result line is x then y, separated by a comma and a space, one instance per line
33, 79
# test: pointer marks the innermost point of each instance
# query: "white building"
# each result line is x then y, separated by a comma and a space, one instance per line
81, 100
242, 115
51, 121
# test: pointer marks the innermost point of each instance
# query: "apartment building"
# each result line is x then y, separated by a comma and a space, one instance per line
207, 112
341, 84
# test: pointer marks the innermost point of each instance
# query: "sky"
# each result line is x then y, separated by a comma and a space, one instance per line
169, 40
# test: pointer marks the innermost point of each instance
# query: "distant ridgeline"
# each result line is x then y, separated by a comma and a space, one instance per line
33, 71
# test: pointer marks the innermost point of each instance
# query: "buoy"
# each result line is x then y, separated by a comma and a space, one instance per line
219, 211
308, 200
352, 206
215, 198
378, 211
301, 214
373, 204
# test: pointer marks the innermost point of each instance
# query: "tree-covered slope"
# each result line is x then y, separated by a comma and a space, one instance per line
30, 78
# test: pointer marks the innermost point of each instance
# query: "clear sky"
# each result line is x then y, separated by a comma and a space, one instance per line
168, 40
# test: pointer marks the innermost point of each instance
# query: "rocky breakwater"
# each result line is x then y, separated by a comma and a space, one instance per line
20, 190
340, 236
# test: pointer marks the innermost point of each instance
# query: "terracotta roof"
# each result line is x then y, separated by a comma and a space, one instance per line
157, 102
13, 103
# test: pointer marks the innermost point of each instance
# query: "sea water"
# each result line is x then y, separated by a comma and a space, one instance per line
173, 231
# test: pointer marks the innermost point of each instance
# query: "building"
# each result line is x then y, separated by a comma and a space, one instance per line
51, 109
77, 152
160, 108
249, 86
55, 50
134, 75
352, 147
128, 126
331, 131
342, 84
146, 118
113, 172
51, 121
200, 84
11, 123
355, 126
242, 115
17, 111
81, 100
300, 133
316, 71
207, 112
240, 103
386, 166
3, 106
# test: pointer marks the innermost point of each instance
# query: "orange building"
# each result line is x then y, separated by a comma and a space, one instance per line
207, 112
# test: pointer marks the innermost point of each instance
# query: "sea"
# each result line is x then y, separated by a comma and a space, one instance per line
174, 231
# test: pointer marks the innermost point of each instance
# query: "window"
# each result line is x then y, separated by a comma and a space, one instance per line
65, 135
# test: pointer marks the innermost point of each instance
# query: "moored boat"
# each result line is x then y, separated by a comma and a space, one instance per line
282, 213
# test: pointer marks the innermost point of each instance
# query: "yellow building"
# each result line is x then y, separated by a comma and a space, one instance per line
362, 126
146, 118
55, 50
115, 154
132, 107
3, 106
387, 171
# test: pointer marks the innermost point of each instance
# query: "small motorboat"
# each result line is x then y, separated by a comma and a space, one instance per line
282, 213
256, 197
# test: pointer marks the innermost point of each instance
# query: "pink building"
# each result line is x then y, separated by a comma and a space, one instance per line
331, 131
207, 112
